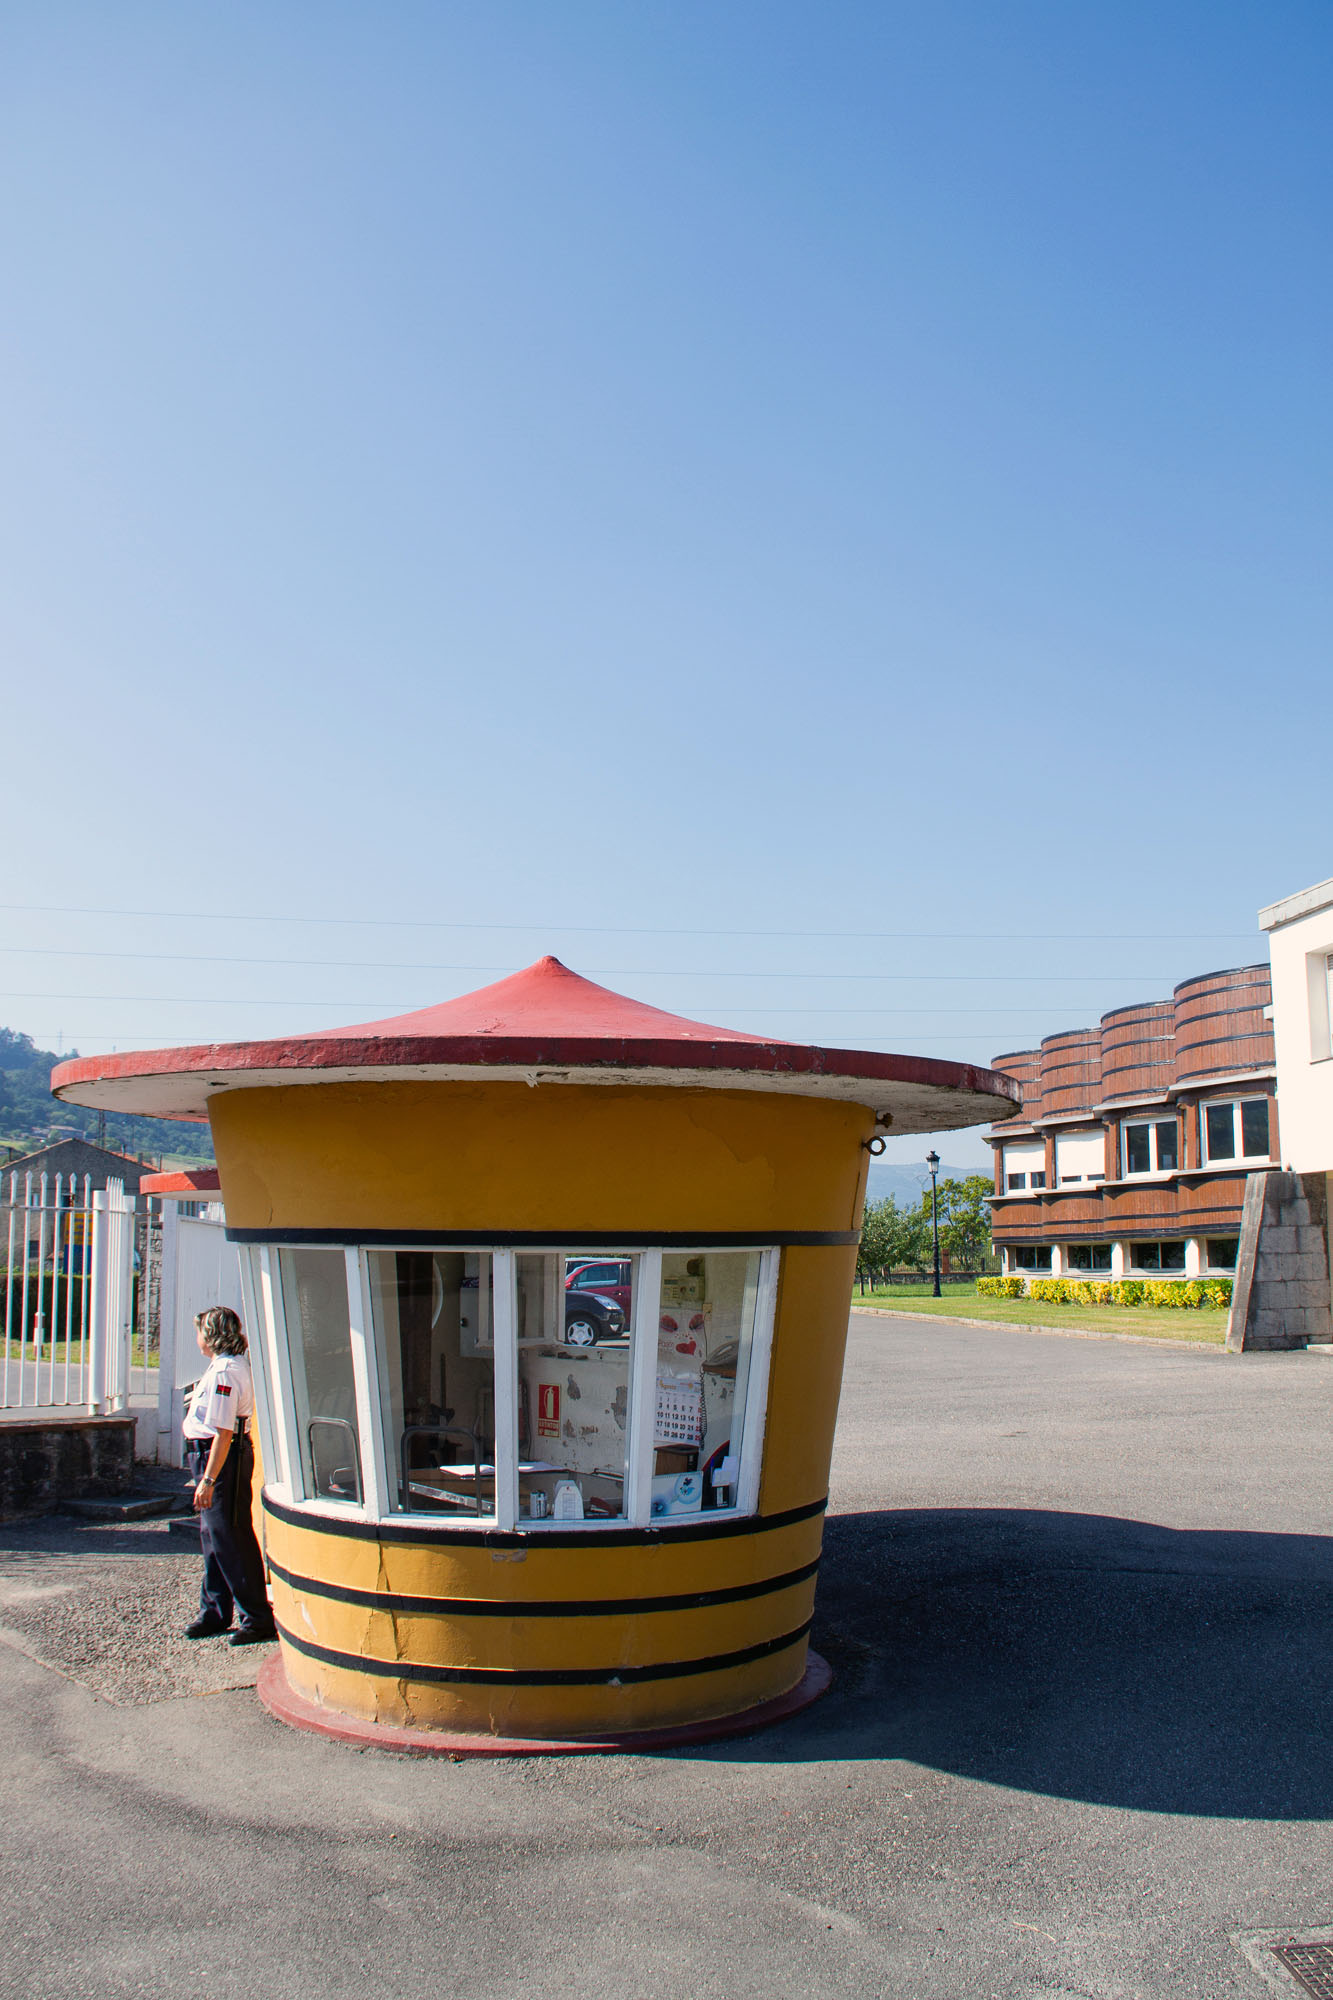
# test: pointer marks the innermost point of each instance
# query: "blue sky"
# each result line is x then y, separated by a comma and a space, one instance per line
819, 515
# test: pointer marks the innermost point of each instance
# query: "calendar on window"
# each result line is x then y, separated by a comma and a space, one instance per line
680, 1411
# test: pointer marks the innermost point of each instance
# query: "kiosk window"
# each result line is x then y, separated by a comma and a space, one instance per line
573, 1389
319, 1339
705, 1342
433, 1317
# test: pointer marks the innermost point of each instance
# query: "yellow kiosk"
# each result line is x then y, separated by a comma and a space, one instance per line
547, 1292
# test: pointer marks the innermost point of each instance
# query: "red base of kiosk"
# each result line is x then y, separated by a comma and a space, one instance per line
291, 1708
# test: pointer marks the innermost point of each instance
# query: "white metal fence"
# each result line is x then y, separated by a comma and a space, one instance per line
70, 1293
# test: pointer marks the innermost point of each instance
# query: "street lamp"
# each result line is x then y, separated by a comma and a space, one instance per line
933, 1162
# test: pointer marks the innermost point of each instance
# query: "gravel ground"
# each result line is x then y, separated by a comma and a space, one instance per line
1078, 1595
107, 1605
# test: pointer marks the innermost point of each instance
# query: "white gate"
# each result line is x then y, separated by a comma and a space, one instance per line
69, 1293
199, 1269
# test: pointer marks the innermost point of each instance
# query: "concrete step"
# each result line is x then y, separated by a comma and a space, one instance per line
139, 1506
185, 1524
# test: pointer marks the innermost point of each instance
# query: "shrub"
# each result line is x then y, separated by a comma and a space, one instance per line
1127, 1292
1217, 1291
1051, 1291
1000, 1288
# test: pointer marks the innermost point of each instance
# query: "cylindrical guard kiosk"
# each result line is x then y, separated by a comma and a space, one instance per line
547, 1294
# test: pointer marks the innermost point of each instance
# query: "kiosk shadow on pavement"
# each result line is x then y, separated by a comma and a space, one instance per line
1077, 1655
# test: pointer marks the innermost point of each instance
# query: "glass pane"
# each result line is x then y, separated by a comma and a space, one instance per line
1222, 1252
704, 1346
431, 1311
1038, 1180
1254, 1128
1167, 1157
1147, 1256
1173, 1256
1101, 1256
1017, 1181
1080, 1257
1221, 1136
319, 1339
1138, 1155
573, 1384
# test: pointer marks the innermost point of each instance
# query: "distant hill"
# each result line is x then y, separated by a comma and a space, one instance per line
29, 1114
908, 1183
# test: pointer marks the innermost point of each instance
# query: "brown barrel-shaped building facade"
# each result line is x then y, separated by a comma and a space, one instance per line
1131, 1153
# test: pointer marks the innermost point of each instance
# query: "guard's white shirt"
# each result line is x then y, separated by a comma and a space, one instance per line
223, 1396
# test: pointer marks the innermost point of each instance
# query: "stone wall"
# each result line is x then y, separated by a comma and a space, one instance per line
1281, 1294
49, 1459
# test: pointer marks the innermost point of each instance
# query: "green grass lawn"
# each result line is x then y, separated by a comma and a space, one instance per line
77, 1352
1200, 1324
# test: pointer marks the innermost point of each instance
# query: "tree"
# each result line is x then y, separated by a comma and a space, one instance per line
892, 1236
965, 1222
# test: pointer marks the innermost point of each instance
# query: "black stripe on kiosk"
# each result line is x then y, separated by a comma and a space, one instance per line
668, 1670
543, 1538
517, 1607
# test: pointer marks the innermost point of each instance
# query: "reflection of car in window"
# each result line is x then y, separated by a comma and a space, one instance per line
590, 1318
610, 1277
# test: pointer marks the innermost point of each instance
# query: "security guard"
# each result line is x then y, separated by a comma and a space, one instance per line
219, 1453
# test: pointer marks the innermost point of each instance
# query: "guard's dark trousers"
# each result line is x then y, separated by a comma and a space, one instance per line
233, 1566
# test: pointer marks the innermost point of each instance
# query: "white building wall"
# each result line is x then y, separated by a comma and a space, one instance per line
1300, 941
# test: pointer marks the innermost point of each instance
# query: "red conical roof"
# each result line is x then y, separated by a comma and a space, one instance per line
548, 1025
546, 998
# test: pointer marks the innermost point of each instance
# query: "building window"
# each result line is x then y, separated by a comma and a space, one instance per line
1236, 1131
1088, 1256
1222, 1252
1024, 1167
1152, 1148
1079, 1157
526, 1388
1031, 1257
1157, 1256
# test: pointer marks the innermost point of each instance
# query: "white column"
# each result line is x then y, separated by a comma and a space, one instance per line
1118, 1260
281, 1377
168, 1414
1193, 1257
365, 1374
260, 1370
641, 1452
97, 1312
1057, 1260
504, 1330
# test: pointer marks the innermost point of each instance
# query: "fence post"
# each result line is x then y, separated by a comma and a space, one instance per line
168, 1452
97, 1307
120, 1298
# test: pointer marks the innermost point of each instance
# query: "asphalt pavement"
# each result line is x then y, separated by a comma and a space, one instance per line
1077, 1595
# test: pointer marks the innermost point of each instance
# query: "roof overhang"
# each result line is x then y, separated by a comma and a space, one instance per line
911, 1093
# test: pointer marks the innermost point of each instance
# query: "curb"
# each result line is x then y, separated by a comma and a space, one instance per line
291, 1708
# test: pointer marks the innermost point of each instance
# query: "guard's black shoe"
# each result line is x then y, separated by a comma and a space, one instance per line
205, 1628
252, 1635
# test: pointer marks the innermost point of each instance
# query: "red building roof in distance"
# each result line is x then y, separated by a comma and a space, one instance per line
545, 1024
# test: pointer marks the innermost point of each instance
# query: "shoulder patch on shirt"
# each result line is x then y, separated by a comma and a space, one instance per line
222, 1388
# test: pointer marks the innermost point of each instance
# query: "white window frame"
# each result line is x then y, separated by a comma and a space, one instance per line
1093, 1271
275, 1378
1152, 1120
1237, 1158
1180, 1272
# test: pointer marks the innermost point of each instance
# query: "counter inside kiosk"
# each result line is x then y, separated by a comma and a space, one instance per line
546, 1293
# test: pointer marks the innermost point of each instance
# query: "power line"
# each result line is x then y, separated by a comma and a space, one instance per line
637, 930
